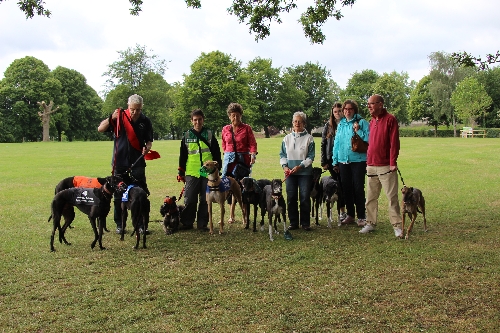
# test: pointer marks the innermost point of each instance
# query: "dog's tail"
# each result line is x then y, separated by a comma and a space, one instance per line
50, 217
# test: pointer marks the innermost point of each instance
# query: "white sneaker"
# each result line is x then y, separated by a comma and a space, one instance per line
366, 229
398, 232
361, 222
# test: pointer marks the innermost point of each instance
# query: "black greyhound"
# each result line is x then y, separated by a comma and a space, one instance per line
94, 202
135, 199
331, 194
252, 194
316, 194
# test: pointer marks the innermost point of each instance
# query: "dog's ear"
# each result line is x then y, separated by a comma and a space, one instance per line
411, 189
216, 164
174, 198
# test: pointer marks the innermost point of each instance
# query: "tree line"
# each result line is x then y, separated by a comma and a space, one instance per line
449, 94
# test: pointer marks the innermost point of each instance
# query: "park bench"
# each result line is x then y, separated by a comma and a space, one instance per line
468, 132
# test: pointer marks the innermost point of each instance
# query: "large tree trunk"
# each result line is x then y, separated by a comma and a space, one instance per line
45, 116
266, 131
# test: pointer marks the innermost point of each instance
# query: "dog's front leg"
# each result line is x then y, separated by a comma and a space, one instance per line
270, 217
210, 220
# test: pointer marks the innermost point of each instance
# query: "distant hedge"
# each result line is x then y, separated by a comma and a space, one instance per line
419, 132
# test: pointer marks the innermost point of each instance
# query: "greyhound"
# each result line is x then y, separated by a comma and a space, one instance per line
251, 195
331, 195
218, 188
413, 202
317, 194
135, 199
94, 202
275, 205
78, 181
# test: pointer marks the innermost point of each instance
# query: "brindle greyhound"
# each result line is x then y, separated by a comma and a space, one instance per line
135, 199
275, 205
217, 191
171, 214
94, 202
412, 201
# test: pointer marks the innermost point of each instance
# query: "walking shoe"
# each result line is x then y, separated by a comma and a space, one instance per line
366, 229
342, 216
361, 222
185, 227
398, 232
306, 228
292, 227
347, 220
119, 231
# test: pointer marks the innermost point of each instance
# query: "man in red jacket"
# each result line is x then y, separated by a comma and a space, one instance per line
381, 161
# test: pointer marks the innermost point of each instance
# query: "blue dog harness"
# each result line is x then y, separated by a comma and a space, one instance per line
224, 185
125, 194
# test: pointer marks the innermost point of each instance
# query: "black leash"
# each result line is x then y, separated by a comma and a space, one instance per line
400, 176
385, 173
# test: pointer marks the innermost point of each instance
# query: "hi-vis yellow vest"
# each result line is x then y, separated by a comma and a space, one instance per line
198, 151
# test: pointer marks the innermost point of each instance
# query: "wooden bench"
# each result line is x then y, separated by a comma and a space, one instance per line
468, 132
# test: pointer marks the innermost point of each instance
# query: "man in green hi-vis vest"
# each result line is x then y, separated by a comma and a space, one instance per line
197, 146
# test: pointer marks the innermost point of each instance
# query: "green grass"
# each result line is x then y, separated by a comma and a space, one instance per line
328, 280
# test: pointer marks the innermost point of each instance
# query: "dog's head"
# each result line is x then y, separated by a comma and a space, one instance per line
248, 184
112, 183
316, 172
276, 187
169, 204
209, 168
330, 188
407, 193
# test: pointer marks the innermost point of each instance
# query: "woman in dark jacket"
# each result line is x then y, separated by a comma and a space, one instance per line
327, 139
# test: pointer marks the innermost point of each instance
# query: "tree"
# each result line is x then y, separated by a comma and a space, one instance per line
395, 89
490, 79
45, 117
315, 81
27, 81
264, 81
80, 113
465, 59
216, 79
445, 75
470, 100
132, 66
360, 88
257, 14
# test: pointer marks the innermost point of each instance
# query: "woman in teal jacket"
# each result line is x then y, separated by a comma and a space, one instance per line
352, 165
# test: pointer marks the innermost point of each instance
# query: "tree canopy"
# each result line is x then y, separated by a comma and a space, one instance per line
258, 15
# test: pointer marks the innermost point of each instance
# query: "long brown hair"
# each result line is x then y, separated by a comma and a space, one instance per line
332, 122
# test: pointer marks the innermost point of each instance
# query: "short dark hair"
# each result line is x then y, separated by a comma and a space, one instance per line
234, 107
197, 112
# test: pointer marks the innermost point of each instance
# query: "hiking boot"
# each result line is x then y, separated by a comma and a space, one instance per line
366, 229
398, 232
361, 222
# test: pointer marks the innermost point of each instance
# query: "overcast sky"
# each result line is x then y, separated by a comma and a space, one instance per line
383, 35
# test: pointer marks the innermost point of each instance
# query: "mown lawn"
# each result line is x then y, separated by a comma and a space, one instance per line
327, 280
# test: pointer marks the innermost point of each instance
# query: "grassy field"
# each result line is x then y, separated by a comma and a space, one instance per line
327, 280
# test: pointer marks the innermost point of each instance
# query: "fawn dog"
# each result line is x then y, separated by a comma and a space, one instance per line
413, 202
218, 188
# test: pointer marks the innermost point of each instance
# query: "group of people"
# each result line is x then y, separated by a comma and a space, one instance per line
133, 137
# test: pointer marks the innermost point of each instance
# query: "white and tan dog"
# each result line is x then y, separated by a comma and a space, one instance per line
218, 189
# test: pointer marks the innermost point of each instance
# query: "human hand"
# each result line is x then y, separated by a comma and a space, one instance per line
336, 169
355, 127
181, 179
325, 167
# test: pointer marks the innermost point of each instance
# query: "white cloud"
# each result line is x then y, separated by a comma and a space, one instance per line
382, 35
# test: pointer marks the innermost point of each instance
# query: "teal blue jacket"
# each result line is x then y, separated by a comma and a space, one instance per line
342, 152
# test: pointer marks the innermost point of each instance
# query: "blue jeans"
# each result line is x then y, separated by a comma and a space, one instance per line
352, 176
299, 187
